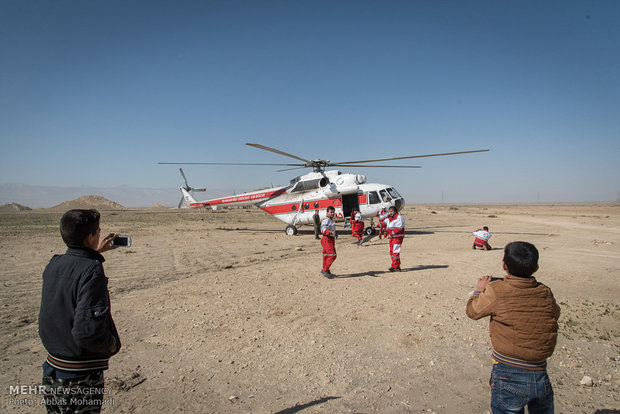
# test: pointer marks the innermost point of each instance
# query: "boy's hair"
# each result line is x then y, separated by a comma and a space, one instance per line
394, 208
330, 208
521, 258
485, 228
76, 224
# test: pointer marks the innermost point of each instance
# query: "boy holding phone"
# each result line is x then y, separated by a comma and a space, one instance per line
523, 328
75, 323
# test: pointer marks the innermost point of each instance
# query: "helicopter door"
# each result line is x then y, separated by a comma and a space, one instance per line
350, 202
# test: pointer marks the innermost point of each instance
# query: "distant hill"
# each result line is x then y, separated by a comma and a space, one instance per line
158, 207
89, 201
13, 207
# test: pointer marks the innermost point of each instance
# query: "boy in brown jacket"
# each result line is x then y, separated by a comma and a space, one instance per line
523, 328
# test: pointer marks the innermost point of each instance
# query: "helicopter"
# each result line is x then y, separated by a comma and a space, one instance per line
305, 199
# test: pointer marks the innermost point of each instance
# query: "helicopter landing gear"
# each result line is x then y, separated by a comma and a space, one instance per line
290, 230
369, 231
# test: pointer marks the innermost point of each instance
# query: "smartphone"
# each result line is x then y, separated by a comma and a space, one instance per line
124, 241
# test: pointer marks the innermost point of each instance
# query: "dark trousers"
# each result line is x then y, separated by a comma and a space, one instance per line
79, 395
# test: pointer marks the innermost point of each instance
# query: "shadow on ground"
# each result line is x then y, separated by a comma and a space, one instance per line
375, 273
299, 407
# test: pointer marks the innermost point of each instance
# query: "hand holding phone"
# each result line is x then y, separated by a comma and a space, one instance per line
482, 283
121, 241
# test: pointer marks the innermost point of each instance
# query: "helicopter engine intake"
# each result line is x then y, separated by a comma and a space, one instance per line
312, 184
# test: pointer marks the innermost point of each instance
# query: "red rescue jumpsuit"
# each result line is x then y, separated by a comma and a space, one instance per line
328, 243
482, 239
395, 229
382, 215
357, 226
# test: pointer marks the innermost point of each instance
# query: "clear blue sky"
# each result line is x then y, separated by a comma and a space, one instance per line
95, 93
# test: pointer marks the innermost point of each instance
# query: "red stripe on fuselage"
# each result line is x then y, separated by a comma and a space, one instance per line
288, 207
283, 208
241, 198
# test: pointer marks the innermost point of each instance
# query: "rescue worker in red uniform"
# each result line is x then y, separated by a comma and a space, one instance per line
482, 237
395, 224
357, 225
328, 241
382, 215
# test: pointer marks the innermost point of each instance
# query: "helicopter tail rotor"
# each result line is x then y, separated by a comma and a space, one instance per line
185, 191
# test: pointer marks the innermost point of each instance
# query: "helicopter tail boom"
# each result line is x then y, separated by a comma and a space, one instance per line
188, 197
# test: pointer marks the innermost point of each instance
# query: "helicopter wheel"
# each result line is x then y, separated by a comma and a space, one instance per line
368, 231
290, 230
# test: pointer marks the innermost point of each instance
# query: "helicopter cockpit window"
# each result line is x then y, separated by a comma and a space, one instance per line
373, 197
393, 193
384, 196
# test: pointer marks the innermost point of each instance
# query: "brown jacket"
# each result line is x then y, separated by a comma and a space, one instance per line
524, 317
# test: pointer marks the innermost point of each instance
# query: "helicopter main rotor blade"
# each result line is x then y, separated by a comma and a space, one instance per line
359, 166
319, 165
277, 152
408, 157
294, 168
374, 166
229, 163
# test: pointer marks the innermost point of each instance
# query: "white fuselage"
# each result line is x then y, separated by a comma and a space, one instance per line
296, 203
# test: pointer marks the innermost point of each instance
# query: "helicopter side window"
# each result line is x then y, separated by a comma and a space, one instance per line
294, 207
316, 204
306, 206
393, 193
373, 197
384, 196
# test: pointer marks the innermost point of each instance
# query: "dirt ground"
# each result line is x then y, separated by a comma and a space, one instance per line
222, 312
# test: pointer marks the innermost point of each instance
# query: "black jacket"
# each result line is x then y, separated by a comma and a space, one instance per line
75, 323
